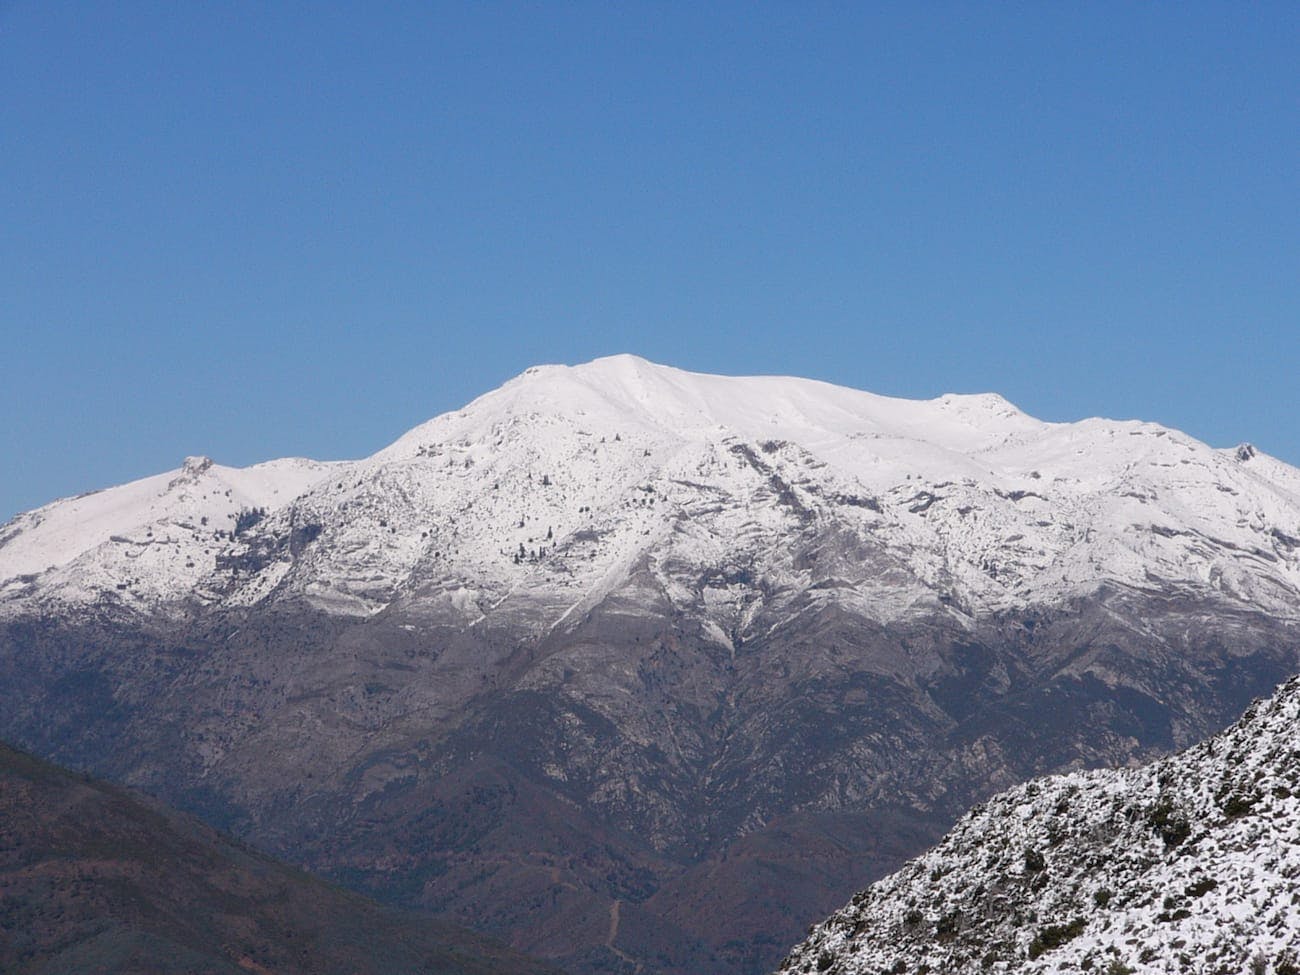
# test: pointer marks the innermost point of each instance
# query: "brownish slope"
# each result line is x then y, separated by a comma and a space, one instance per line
96, 879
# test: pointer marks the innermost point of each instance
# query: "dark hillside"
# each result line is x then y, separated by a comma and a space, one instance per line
96, 879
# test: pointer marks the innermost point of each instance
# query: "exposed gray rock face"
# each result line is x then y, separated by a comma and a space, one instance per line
1191, 864
640, 668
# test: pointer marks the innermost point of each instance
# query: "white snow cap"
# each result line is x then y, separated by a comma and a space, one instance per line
973, 500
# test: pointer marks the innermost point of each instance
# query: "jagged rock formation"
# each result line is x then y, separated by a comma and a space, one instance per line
1191, 864
96, 879
643, 668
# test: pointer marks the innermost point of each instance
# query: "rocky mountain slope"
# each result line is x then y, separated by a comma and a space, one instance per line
1191, 864
96, 879
643, 668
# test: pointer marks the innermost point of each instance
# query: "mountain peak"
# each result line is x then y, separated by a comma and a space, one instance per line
690, 405
196, 465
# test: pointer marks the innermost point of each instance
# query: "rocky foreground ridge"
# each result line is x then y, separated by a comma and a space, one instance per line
1190, 864
645, 669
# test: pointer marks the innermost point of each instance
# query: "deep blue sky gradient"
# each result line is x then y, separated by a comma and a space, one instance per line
255, 230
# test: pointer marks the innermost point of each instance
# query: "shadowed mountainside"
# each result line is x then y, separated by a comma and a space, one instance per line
96, 879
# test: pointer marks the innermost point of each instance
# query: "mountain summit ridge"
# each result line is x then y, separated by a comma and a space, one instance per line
962, 489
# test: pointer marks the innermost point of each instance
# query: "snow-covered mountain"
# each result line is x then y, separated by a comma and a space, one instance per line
152, 541
637, 667
1191, 864
557, 483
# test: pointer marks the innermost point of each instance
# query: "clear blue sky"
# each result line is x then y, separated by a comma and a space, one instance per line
254, 230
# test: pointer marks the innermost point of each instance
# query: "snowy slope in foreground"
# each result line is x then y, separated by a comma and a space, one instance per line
1191, 864
551, 489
